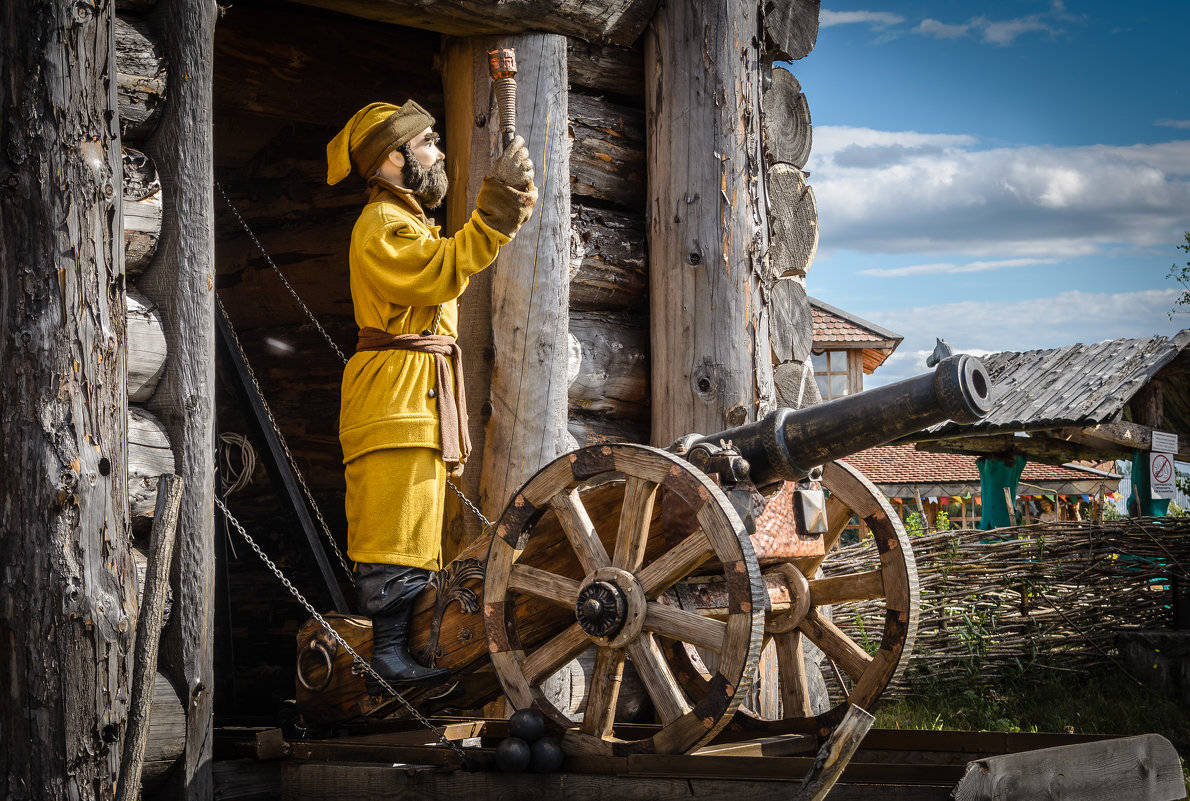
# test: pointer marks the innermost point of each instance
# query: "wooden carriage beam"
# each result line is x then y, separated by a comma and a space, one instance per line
612, 21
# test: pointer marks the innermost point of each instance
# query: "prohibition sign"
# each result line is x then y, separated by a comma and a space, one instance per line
1162, 468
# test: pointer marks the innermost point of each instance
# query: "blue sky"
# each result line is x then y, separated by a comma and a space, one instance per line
1007, 176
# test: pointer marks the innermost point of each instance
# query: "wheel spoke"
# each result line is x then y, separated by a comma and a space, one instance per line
678, 624
791, 667
676, 563
847, 589
600, 711
580, 530
635, 516
554, 654
542, 584
659, 681
835, 644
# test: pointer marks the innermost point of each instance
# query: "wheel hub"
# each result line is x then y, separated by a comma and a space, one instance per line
601, 609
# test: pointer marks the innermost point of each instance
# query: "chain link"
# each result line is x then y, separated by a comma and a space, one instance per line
487, 524
358, 660
280, 275
326, 531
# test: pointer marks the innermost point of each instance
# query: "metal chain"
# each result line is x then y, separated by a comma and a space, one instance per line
285, 447
280, 275
437, 318
356, 658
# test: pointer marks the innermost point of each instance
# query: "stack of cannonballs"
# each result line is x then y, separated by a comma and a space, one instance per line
527, 747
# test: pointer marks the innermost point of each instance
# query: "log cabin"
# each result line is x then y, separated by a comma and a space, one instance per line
669, 139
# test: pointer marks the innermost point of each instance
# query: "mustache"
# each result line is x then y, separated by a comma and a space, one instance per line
429, 184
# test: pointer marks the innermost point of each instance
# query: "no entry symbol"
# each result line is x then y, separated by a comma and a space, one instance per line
1162, 468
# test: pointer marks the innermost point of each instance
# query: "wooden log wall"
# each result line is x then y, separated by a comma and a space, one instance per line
609, 271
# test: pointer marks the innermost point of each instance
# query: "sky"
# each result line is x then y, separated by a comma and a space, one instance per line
1006, 176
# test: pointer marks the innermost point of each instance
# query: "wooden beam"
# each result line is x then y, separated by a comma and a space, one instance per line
711, 362
610, 21
180, 282
1120, 438
1037, 448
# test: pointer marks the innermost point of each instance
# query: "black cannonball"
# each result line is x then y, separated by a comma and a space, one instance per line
547, 755
513, 755
528, 724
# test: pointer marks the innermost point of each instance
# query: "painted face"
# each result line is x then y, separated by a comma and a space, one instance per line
424, 148
424, 171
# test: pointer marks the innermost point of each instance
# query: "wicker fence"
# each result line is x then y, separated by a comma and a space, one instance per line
1050, 596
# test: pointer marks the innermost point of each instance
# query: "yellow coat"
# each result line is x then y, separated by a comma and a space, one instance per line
401, 271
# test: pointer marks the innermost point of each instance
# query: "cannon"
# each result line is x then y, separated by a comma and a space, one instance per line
664, 559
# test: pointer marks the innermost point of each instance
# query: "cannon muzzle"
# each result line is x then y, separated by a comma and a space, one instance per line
788, 443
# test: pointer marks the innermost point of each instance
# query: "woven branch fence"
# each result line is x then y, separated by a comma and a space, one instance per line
1049, 595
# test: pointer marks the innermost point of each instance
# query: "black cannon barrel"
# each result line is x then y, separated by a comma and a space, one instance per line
788, 443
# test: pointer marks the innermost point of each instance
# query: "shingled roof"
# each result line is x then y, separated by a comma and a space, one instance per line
899, 469
1075, 385
835, 328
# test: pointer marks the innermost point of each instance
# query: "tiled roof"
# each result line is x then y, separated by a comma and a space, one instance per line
836, 325
904, 464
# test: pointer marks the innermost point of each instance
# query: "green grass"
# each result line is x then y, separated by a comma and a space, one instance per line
1100, 702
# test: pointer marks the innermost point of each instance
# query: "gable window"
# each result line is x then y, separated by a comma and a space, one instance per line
830, 371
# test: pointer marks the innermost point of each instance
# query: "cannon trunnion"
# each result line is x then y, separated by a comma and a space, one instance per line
641, 555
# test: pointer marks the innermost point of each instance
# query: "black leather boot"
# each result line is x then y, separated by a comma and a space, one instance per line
391, 657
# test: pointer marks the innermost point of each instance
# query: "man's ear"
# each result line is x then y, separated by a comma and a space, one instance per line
397, 158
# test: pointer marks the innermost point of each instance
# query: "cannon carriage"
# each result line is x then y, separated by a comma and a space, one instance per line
648, 555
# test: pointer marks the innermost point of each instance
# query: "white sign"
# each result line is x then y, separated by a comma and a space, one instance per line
1164, 442
1161, 475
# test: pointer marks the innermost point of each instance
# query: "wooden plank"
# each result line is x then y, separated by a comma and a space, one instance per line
676, 563
834, 755
1142, 768
600, 710
677, 624
659, 681
580, 531
791, 665
779, 745
847, 588
635, 519
529, 580
555, 653
527, 427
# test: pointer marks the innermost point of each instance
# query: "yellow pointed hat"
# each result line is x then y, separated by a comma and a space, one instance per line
369, 136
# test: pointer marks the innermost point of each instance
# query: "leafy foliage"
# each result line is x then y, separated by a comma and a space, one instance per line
1181, 274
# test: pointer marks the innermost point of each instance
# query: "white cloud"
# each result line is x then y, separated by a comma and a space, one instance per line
981, 327
940, 30
909, 192
949, 268
1168, 123
1004, 32
875, 19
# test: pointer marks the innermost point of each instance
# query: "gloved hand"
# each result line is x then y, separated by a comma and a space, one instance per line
513, 167
508, 195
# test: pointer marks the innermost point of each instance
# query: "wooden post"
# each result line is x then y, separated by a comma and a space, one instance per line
68, 596
180, 282
148, 636
531, 289
711, 364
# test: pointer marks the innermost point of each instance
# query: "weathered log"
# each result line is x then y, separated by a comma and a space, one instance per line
711, 364
149, 456
593, 429
141, 80
793, 222
148, 637
791, 321
795, 385
611, 376
607, 158
179, 282
142, 211
167, 734
68, 593
785, 121
791, 28
607, 70
608, 260
616, 21
141, 557
530, 291
147, 349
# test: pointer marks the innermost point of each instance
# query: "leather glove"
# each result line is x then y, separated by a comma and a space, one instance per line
513, 167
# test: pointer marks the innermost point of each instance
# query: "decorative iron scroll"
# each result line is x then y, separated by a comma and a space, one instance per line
448, 586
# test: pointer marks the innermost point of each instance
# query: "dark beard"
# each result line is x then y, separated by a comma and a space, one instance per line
429, 185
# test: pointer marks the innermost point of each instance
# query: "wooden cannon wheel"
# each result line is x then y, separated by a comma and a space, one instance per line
885, 596
605, 496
